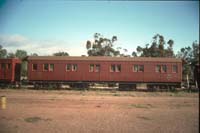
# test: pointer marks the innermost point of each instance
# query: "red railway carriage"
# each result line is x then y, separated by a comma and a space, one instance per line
10, 70
105, 69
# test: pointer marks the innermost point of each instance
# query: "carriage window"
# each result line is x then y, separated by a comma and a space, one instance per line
161, 68
164, 68
46, 67
97, 68
135, 68
112, 68
158, 68
141, 68
68, 67
34, 67
91, 68
118, 68
94, 68
74, 67
115, 68
174, 68
138, 68
51, 67
3, 66
9, 66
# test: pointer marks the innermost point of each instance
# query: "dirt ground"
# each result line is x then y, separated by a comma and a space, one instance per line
35, 111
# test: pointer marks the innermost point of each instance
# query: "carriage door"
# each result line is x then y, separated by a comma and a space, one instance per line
17, 72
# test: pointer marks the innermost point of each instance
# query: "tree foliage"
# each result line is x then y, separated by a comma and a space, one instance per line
61, 54
3, 52
157, 48
190, 57
102, 46
20, 54
34, 54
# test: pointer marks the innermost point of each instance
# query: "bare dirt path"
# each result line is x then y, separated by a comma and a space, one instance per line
99, 112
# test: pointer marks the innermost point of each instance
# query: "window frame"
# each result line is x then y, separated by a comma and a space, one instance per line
163, 70
159, 69
91, 68
50, 69
173, 68
118, 68
97, 67
141, 68
68, 67
33, 67
135, 68
115, 68
112, 68
44, 67
74, 68
138, 68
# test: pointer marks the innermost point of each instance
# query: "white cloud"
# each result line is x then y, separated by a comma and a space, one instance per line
41, 47
14, 40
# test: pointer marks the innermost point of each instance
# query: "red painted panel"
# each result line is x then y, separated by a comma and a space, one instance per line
83, 74
9, 74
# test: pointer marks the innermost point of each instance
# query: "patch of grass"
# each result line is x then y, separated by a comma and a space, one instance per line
182, 105
145, 106
143, 117
182, 94
33, 119
116, 94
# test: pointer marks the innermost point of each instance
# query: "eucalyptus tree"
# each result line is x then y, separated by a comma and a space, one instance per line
102, 46
61, 54
157, 48
3, 52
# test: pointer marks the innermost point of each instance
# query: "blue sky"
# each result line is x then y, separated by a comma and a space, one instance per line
50, 26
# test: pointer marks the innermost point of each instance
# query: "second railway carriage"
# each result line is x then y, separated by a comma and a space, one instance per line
10, 70
126, 71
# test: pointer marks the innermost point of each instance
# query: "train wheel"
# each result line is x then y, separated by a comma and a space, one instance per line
58, 86
125, 87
